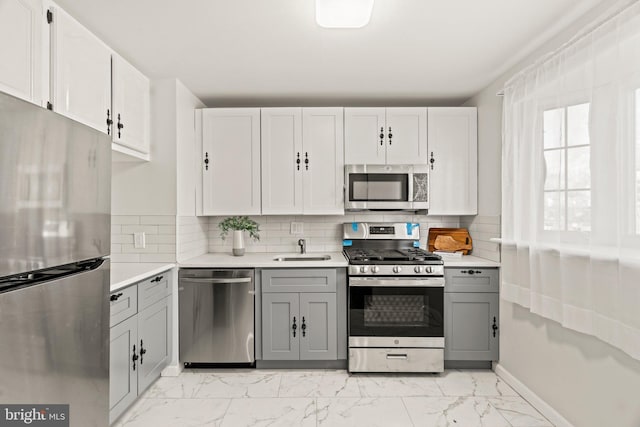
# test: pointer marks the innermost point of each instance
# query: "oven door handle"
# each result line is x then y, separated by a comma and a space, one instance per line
413, 283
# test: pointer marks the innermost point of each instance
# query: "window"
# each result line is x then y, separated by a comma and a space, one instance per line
567, 181
637, 155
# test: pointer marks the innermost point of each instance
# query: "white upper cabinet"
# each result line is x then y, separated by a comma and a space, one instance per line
365, 137
302, 161
453, 156
323, 176
131, 91
22, 32
230, 161
282, 161
81, 67
406, 134
392, 136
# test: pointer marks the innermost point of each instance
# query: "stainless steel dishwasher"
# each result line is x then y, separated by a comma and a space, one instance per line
216, 309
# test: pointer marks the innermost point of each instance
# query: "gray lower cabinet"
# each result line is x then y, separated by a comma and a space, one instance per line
471, 314
299, 323
123, 380
468, 326
141, 342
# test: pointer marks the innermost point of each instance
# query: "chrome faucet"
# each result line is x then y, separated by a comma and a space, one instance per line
303, 246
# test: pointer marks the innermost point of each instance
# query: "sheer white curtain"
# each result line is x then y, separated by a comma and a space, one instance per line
571, 183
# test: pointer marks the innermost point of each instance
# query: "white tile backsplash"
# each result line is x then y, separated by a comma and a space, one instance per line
192, 236
322, 233
170, 238
483, 228
160, 237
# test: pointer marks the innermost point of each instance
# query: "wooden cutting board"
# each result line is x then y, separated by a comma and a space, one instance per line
450, 239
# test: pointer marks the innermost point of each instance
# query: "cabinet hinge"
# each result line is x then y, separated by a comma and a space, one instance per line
49, 106
49, 16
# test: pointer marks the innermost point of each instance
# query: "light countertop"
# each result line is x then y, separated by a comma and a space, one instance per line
124, 274
262, 260
469, 261
265, 260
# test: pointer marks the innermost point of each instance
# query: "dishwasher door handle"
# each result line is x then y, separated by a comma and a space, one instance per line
209, 281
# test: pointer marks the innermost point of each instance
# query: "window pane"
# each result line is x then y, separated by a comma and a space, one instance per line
554, 210
578, 124
578, 168
554, 167
579, 211
553, 123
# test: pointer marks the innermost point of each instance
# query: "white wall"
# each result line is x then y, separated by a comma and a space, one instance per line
149, 188
590, 383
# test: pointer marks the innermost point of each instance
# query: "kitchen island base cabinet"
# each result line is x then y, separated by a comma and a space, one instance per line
301, 315
141, 343
471, 327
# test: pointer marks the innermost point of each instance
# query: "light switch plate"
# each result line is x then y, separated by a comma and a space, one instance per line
139, 240
297, 228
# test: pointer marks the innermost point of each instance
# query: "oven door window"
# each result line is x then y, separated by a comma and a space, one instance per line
396, 311
378, 187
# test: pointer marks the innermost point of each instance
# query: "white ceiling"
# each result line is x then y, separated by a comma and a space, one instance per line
272, 52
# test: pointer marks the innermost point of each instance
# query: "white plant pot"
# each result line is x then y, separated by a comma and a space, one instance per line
238, 242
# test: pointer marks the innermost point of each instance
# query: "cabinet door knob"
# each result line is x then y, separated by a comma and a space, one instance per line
294, 327
134, 358
304, 327
109, 122
432, 160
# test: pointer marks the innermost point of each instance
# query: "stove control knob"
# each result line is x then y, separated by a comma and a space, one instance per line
418, 269
364, 269
397, 269
428, 270
375, 269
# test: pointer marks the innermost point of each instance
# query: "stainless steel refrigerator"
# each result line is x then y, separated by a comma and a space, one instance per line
55, 203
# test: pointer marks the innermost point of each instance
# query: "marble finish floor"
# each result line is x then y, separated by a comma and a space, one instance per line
234, 398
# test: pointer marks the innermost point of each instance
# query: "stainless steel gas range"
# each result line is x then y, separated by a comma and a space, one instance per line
396, 299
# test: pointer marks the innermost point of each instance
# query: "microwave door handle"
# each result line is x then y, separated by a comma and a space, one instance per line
410, 189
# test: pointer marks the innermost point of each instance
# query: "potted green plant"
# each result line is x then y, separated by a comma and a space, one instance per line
239, 224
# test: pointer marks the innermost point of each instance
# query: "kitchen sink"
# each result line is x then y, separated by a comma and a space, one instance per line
303, 258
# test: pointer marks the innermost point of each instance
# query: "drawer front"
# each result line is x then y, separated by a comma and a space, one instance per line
124, 304
396, 360
153, 289
299, 280
470, 279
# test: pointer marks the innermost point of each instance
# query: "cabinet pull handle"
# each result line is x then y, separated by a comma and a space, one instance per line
134, 357
109, 122
494, 327
157, 279
432, 160
382, 136
390, 135
298, 161
143, 351
115, 296
304, 327
120, 126
306, 161
294, 326
206, 161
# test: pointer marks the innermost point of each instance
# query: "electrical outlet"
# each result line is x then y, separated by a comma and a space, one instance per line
139, 240
297, 228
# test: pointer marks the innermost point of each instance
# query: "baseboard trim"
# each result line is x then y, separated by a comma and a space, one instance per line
530, 396
171, 371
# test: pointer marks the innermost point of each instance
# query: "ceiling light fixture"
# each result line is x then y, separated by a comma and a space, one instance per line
343, 13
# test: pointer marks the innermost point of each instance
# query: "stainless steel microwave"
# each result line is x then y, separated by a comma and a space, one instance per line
386, 187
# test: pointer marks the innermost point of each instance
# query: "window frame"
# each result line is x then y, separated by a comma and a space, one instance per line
564, 235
